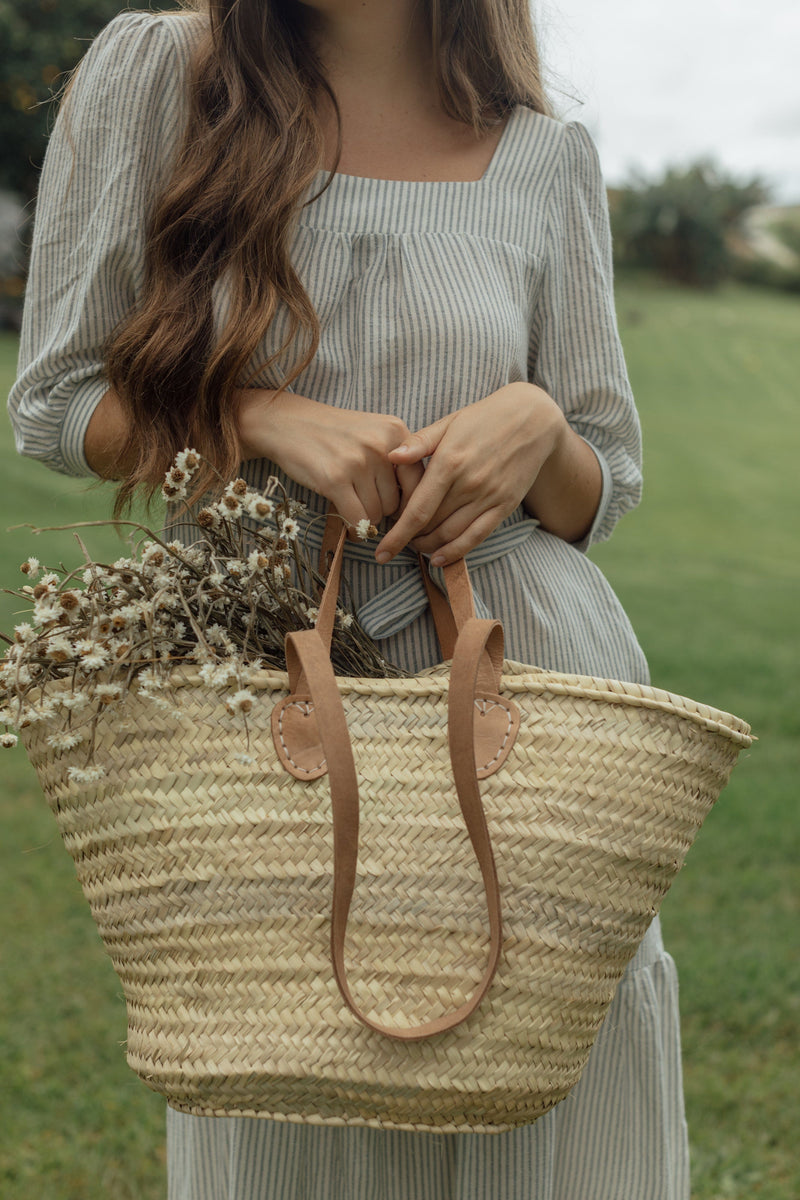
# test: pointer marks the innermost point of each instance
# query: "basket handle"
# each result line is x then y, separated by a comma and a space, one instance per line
449, 613
295, 727
309, 658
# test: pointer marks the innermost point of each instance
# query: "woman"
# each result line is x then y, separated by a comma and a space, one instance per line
338, 241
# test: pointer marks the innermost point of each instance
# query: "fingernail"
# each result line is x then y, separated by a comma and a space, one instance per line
383, 557
402, 446
438, 561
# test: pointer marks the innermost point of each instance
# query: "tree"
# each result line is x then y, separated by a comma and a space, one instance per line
40, 43
681, 224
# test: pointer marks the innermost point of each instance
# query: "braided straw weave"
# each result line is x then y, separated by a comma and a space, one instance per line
210, 883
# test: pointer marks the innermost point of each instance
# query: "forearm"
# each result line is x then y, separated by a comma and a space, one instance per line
566, 494
109, 445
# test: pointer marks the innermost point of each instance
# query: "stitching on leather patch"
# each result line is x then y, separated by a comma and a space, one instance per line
307, 710
484, 707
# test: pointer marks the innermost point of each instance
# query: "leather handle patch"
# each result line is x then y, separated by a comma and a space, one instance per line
299, 745
495, 725
297, 739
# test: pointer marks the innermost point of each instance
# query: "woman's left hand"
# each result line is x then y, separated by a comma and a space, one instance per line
484, 460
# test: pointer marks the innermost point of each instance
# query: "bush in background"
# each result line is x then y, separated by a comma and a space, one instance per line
680, 225
40, 43
760, 272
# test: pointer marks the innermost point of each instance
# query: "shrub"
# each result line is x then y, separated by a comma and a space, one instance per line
680, 225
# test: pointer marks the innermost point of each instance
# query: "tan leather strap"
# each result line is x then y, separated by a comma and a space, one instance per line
326, 613
308, 658
443, 619
449, 614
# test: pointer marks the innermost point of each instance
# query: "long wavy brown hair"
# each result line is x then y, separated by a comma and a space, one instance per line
252, 146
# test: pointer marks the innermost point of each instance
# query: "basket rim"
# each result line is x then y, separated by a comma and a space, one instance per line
516, 678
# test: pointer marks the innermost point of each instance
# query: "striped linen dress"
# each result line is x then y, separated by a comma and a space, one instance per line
431, 296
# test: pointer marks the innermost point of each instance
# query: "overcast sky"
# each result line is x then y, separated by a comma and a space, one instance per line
671, 81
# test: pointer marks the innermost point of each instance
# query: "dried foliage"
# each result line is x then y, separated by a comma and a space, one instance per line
223, 603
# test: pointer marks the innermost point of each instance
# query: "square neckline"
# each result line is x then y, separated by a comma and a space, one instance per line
500, 151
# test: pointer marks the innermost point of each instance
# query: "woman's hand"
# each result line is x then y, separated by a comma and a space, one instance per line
341, 454
512, 447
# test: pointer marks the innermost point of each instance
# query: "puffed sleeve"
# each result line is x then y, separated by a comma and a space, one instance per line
578, 357
110, 151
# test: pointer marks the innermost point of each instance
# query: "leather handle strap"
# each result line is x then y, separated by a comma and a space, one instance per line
450, 612
308, 657
326, 612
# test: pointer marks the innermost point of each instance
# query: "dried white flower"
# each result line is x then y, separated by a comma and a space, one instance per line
172, 491
24, 633
94, 659
7, 740
311, 612
240, 702
345, 619
166, 600
60, 649
230, 506
187, 461
219, 675
85, 775
31, 567
258, 506
67, 740
107, 693
131, 614
45, 612
257, 561
217, 636
195, 555
34, 714
16, 674
73, 701
163, 704
209, 518
153, 555
289, 528
149, 680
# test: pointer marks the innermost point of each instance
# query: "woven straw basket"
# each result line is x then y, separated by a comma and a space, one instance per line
211, 882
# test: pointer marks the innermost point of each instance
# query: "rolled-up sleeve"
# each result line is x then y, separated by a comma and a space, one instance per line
110, 151
578, 356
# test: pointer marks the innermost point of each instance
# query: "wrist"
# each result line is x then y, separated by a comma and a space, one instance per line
552, 427
565, 495
262, 415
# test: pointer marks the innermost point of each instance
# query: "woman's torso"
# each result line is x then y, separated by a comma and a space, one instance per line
428, 295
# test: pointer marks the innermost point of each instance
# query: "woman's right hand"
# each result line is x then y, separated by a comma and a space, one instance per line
338, 453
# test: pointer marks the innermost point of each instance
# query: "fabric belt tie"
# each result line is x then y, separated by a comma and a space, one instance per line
399, 603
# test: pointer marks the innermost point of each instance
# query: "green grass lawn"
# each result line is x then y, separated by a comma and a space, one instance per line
709, 569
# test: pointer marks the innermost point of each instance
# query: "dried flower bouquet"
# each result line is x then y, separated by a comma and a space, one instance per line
223, 604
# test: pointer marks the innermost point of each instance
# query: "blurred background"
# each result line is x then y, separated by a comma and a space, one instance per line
695, 107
